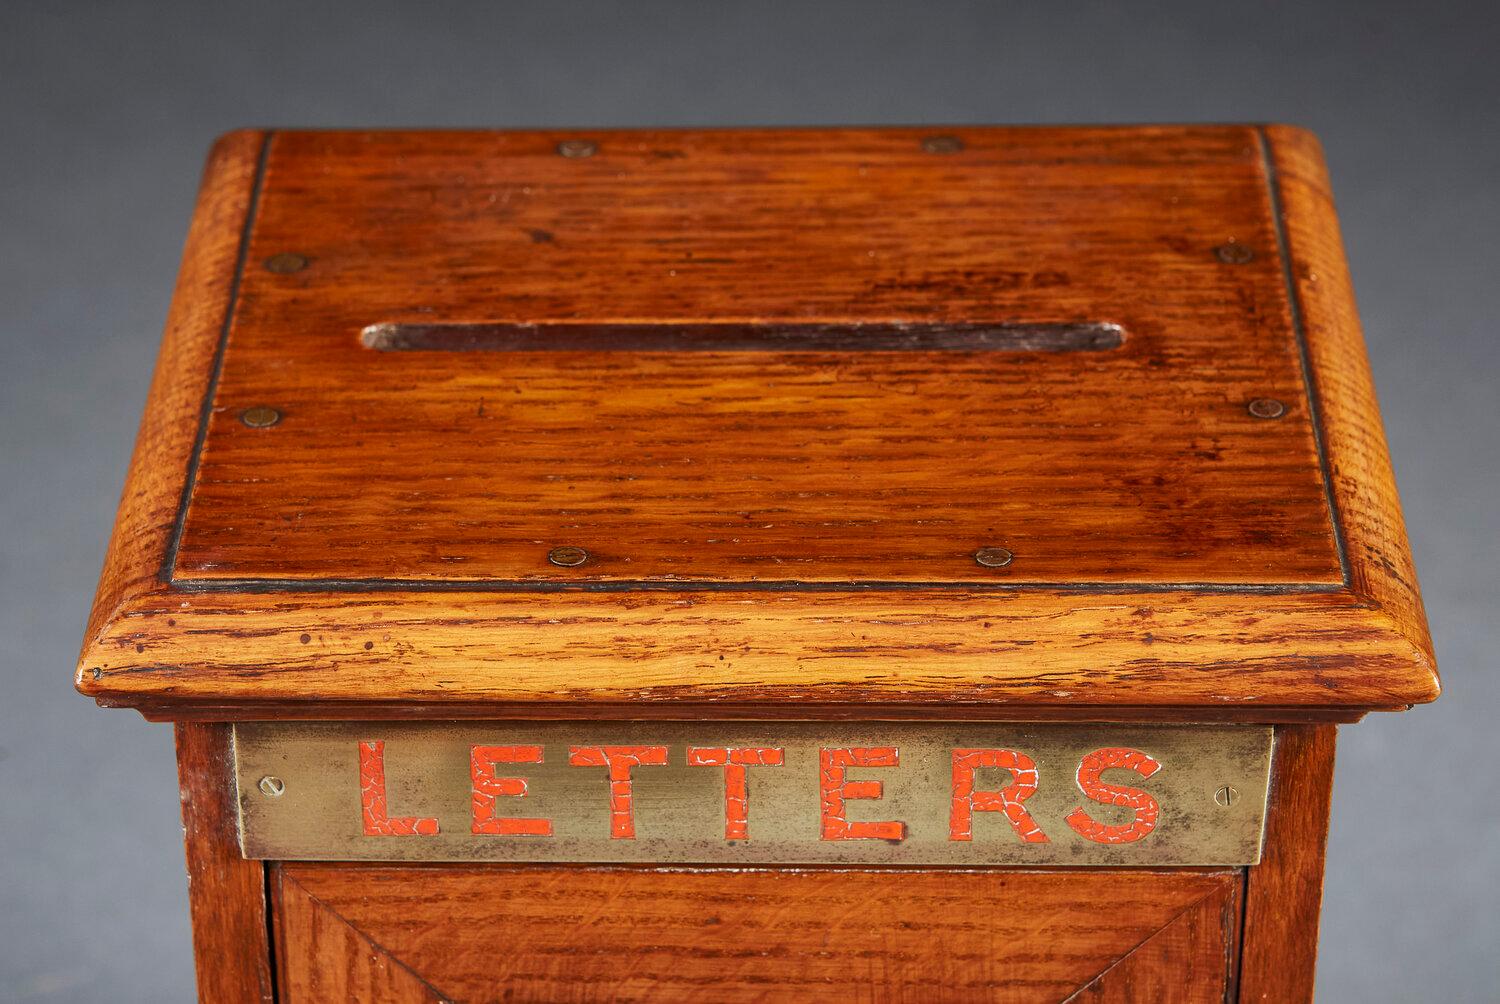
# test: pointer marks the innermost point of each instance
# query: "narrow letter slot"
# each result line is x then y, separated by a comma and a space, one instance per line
738, 337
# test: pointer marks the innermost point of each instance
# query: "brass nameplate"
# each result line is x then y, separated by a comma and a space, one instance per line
753, 792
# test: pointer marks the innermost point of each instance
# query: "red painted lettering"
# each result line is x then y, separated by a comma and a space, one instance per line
736, 785
487, 788
967, 801
834, 791
373, 803
619, 760
1146, 807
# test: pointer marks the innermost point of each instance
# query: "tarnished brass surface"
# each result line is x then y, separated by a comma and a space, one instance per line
311, 808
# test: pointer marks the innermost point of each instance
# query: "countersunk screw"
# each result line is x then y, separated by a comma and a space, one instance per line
1227, 795
1266, 407
271, 786
260, 417
942, 144
577, 148
286, 263
96, 672
567, 557
1234, 253
993, 557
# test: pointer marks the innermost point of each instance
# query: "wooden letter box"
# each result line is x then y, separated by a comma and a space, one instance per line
765, 565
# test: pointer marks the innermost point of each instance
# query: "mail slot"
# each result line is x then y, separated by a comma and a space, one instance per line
760, 564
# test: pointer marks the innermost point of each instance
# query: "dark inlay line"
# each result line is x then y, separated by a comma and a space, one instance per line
536, 585
779, 337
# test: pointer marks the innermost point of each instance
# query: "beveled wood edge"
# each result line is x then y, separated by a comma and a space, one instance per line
161, 471
317, 710
728, 649
1367, 507
1383, 627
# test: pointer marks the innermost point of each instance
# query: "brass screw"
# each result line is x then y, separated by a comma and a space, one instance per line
260, 417
1227, 795
567, 557
271, 786
1234, 253
286, 263
942, 144
993, 557
577, 148
1266, 407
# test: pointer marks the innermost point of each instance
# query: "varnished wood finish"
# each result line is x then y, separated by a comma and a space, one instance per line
801, 711
574, 934
1137, 465
1284, 892
164, 447
559, 651
770, 529
1186, 961
231, 943
1364, 486
772, 534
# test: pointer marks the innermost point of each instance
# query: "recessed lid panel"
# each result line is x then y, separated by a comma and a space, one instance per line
744, 357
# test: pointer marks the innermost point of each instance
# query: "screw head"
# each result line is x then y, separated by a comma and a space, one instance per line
286, 263
993, 557
271, 786
577, 148
260, 417
942, 144
1227, 795
1266, 407
96, 672
1234, 253
567, 557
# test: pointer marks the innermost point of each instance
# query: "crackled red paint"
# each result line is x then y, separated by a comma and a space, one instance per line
1146, 808
619, 760
833, 791
373, 802
967, 801
735, 760
487, 788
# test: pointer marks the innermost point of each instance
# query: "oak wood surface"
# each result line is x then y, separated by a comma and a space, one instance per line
581, 934
249, 711
1364, 486
227, 893
764, 466
555, 652
766, 528
1284, 893
1188, 960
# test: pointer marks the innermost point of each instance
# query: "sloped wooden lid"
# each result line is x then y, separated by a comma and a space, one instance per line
976, 416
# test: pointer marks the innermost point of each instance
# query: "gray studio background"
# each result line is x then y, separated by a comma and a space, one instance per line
105, 114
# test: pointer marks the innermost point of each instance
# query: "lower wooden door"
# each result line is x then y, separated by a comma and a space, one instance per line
409, 933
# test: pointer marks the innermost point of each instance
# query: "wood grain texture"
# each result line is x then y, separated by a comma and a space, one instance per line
160, 466
802, 711
1284, 893
1137, 465
227, 893
1189, 961
585, 934
1364, 486
1004, 652
767, 529
322, 957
